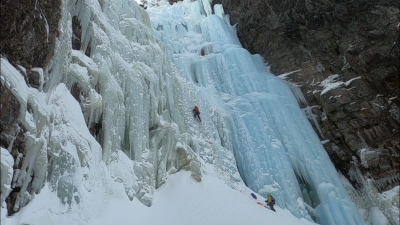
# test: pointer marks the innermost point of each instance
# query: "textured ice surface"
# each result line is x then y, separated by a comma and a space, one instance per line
275, 147
6, 165
374, 207
127, 84
250, 118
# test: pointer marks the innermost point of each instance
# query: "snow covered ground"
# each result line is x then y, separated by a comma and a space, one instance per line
181, 200
151, 163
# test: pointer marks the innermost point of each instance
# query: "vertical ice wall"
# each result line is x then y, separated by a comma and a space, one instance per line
144, 104
129, 86
274, 145
127, 83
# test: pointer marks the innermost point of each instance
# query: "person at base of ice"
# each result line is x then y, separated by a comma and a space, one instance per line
270, 202
196, 112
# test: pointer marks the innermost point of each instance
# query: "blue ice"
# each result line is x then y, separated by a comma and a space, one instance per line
275, 147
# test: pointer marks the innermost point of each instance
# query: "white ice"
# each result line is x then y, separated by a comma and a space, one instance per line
141, 81
275, 147
6, 165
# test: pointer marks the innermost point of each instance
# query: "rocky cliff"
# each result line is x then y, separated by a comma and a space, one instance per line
28, 31
344, 56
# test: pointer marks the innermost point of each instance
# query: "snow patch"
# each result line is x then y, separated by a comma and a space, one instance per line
330, 83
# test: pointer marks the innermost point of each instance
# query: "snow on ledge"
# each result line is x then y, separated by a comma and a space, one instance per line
330, 83
283, 76
325, 141
347, 83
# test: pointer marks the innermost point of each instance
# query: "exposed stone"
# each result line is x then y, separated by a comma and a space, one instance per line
354, 44
12, 138
356, 40
95, 128
18, 153
28, 30
76, 92
33, 78
76, 33
8, 115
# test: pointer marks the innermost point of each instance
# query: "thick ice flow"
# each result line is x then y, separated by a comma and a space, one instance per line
130, 125
275, 147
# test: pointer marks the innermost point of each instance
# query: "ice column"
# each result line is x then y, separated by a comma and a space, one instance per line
275, 147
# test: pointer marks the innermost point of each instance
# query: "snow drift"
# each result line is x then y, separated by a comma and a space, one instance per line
138, 84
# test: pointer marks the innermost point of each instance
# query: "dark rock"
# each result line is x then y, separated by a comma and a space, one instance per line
8, 115
358, 41
28, 30
11, 136
95, 128
33, 78
76, 92
76, 33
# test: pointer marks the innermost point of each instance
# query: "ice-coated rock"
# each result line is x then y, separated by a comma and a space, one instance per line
140, 79
6, 165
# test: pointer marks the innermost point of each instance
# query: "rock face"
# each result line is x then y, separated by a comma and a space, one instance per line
28, 30
344, 56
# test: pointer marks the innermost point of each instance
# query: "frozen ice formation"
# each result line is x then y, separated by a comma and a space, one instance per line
140, 81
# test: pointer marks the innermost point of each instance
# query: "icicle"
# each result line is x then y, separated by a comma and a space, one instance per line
207, 6
310, 115
297, 93
219, 11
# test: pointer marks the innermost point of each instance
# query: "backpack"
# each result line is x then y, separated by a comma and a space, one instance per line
253, 195
272, 200
196, 109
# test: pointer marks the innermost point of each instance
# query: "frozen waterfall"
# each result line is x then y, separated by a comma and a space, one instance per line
138, 84
274, 145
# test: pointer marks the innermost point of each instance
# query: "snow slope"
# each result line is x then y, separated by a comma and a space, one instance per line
151, 162
181, 200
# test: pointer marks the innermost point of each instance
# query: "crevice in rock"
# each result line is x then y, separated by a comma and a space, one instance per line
76, 33
326, 38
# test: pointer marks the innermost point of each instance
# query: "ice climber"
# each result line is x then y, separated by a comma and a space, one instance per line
270, 202
196, 112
